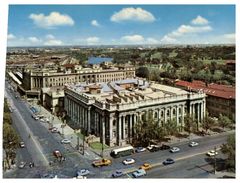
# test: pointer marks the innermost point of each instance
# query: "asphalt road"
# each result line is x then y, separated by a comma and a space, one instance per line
40, 146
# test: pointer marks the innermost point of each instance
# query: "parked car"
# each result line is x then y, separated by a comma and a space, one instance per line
57, 154
174, 149
168, 161
22, 164
128, 161
54, 130
117, 173
153, 148
145, 166
164, 147
65, 141
212, 153
22, 144
140, 149
192, 144
82, 172
139, 173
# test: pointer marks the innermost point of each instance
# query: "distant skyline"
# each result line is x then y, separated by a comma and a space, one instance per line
59, 25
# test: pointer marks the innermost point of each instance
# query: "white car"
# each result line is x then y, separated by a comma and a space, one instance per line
151, 146
65, 141
128, 161
192, 144
82, 172
54, 130
212, 153
22, 164
174, 149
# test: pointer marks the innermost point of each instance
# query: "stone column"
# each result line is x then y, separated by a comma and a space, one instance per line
119, 137
130, 127
89, 119
183, 113
177, 113
124, 134
198, 112
102, 121
111, 118
201, 107
165, 115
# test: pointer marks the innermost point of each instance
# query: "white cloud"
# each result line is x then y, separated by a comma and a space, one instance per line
133, 38
132, 14
92, 40
50, 36
34, 40
152, 41
10, 36
95, 23
168, 40
52, 20
229, 38
186, 29
199, 20
53, 42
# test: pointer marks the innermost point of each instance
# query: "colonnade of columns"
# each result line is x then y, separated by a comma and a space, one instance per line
37, 82
118, 129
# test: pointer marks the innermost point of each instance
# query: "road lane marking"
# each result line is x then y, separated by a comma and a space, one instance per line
32, 136
130, 170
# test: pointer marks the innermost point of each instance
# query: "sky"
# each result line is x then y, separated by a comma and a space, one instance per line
59, 25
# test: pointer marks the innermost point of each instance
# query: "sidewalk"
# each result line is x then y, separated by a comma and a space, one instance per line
66, 132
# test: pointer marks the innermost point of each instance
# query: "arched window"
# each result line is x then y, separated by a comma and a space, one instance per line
162, 114
155, 115
168, 112
174, 111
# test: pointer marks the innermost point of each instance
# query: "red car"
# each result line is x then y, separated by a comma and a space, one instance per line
57, 154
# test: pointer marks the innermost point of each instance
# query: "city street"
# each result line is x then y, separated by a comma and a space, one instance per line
42, 142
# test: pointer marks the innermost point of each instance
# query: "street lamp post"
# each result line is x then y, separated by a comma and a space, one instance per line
102, 149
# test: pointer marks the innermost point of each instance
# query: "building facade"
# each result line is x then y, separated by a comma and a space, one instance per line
220, 98
35, 79
111, 110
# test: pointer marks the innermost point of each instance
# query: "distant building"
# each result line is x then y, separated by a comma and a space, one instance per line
53, 99
34, 79
111, 110
220, 98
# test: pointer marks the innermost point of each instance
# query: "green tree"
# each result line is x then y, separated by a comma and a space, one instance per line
171, 127
229, 149
224, 121
190, 125
207, 122
10, 142
147, 130
143, 72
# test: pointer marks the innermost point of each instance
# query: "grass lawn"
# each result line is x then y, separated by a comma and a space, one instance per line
98, 145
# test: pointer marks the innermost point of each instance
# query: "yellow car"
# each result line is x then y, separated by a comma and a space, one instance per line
145, 166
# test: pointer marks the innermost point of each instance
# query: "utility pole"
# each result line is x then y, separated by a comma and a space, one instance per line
102, 149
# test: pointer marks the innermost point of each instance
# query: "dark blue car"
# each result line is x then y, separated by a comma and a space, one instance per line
118, 173
168, 161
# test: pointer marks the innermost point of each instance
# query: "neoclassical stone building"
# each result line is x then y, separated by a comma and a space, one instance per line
111, 110
34, 79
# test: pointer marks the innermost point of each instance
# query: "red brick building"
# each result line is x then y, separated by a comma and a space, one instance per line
220, 98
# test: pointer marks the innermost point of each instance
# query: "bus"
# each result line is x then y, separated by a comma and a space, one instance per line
124, 151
